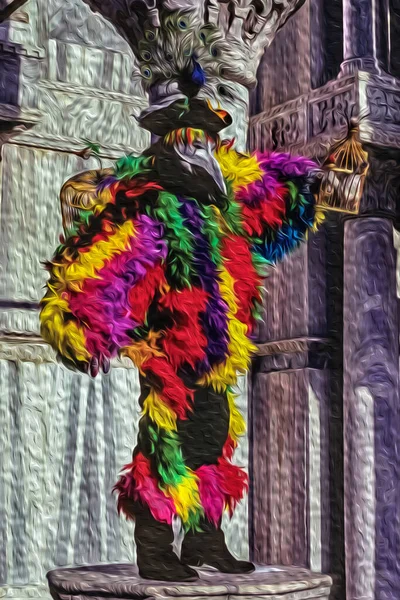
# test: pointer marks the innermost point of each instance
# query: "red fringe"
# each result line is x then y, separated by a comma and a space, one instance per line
239, 264
185, 341
270, 212
172, 389
234, 483
220, 485
229, 448
139, 484
141, 294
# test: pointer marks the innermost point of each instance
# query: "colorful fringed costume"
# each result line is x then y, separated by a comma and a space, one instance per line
172, 280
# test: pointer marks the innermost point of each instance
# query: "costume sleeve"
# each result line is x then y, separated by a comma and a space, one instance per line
278, 206
102, 282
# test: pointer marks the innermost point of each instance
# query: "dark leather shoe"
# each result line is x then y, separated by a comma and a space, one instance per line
155, 557
208, 548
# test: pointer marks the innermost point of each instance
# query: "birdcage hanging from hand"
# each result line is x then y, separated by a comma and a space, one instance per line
343, 174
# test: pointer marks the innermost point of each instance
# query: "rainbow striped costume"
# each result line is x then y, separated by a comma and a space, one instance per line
175, 285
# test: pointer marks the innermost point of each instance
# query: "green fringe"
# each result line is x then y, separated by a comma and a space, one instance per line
131, 166
169, 459
211, 230
165, 447
232, 213
180, 246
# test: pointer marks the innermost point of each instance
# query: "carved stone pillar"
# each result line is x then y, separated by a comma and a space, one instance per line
365, 35
361, 316
296, 435
370, 394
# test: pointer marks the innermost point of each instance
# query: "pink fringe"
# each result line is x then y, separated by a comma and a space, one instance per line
211, 495
138, 483
221, 486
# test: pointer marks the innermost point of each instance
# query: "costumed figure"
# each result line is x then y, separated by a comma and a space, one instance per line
163, 262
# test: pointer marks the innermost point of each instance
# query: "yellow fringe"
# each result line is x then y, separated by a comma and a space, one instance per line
237, 425
186, 497
240, 169
319, 217
240, 348
159, 412
69, 337
89, 263
65, 337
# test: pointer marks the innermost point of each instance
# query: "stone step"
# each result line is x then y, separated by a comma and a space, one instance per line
114, 581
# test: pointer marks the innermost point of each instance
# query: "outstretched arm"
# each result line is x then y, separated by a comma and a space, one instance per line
280, 208
275, 194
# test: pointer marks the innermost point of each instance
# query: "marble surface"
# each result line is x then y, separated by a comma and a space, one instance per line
123, 581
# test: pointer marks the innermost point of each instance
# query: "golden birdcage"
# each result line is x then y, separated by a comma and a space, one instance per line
343, 174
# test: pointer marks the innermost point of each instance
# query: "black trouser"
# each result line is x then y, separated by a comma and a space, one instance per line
202, 435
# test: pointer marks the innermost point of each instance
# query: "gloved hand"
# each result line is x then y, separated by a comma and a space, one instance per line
90, 368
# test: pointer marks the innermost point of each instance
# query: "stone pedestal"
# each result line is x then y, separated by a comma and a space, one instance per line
123, 581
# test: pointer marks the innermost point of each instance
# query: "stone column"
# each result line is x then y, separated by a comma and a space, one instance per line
296, 435
296, 439
365, 35
370, 394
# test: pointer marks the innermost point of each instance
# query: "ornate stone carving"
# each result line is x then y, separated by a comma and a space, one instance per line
309, 123
323, 116
329, 114
384, 105
379, 98
382, 185
285, 130
240, 29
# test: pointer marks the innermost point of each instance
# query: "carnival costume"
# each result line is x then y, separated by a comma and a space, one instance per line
163, 262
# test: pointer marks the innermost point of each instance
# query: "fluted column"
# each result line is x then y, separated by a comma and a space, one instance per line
296, 435
365, 35
371, 395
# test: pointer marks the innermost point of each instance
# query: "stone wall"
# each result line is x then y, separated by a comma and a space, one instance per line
66, 76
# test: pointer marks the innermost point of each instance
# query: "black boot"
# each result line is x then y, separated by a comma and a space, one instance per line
155, 557
208, 548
